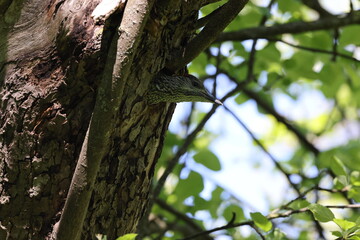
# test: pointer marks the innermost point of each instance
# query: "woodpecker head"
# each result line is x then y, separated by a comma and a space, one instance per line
166, 88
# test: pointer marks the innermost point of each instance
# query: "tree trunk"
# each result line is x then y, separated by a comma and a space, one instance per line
52, 56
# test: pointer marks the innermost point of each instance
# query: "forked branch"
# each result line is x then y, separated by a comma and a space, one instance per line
212, 29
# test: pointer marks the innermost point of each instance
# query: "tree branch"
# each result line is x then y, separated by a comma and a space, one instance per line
216, 25
182, 150
189, 139
294, 27
270, 217
278, 117
206, 2
4, 5
257, 141
282, 120
204, 20
108, 99
188, 221
251, 61
313, 49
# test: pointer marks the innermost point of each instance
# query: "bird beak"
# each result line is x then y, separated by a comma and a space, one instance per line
218, 102
211, 98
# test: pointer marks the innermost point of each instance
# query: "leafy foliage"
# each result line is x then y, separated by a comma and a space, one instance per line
303, 129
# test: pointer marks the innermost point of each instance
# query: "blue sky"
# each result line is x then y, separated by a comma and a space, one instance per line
258, 187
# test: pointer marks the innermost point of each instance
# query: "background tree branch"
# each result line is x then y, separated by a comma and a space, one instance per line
215, 25
293, 28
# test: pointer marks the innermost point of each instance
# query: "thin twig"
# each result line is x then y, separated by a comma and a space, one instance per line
172, 163
257, 141
313, 49
282, 120
277, 116
258, 231
188, 118
251, 61
182, 150
335, 44
280, 215
180, 215
207, 35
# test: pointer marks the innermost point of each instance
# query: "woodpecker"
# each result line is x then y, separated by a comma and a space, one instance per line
173, 89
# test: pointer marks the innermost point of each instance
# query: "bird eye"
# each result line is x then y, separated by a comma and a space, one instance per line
196, 84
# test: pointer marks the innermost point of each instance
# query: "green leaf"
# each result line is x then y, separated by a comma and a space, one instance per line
321, 213
216, 201
299, 204
340, 182
332, 77
268, 58
199, 64
207, 9
321, 40
344, 224
336, 233
234, 209
355, 178
288, 5
241, 98
190, 186
337, 166
247, 18
261, 221
347, 35
276, 234
172, 139
300, 66
269, 53
130, 236
216, 195
354, 193
201, 204
208, 159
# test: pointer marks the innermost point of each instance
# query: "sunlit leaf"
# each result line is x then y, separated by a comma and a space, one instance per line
299, 204
231, 210
208, 159
276, 234
130, 236
354, 193
340, 182
261, 221
321, 213
344, 224
355, 178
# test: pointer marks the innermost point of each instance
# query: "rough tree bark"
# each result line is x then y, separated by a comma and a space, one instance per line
52, 59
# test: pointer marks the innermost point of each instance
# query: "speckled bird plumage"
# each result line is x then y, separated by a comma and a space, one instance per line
166, 88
